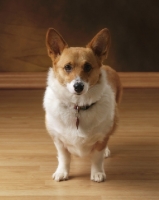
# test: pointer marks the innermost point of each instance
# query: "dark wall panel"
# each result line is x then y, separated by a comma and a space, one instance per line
134, 26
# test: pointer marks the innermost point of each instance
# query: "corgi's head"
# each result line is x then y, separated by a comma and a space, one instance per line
77, 68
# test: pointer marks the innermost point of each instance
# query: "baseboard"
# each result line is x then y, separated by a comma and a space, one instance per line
37, 80
20, 80
139, 79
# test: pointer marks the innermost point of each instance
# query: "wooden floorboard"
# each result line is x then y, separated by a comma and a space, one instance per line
28, 156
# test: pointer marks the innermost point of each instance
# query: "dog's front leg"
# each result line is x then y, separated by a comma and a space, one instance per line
97, 167
64, 158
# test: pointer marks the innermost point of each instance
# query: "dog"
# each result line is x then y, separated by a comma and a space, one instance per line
80, 102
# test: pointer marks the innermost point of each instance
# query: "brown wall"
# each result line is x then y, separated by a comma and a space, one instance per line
134, 26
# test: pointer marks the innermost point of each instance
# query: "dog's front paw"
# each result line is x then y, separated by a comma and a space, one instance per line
98, 177
60, 176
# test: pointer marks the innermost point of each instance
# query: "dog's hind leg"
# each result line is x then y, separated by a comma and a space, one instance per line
64, 158
107, 152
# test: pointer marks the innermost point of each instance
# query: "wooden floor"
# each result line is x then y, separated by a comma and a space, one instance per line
28, 156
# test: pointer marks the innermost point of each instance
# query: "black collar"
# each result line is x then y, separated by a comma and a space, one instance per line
78, 108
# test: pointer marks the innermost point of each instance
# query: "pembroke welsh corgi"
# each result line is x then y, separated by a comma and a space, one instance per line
81, 101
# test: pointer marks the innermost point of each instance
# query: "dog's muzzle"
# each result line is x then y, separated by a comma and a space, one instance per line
78, 87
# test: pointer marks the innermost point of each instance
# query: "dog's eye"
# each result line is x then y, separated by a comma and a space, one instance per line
68, 68
87, 67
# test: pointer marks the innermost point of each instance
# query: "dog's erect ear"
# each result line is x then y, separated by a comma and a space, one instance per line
55, 43
100, 44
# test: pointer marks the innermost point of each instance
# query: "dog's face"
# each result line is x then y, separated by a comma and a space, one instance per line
77, 68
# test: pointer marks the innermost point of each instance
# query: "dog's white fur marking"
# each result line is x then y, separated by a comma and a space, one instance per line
95, 123
107, 152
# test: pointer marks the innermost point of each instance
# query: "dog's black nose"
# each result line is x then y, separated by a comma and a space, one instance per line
79, 86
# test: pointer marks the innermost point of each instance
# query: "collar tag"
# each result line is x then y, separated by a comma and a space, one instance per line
77, 108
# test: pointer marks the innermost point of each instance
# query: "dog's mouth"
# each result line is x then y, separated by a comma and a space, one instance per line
78, 94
